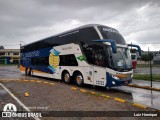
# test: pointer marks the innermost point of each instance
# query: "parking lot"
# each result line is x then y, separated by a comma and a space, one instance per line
48, 95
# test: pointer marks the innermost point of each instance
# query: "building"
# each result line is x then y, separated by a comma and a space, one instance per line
156, 58
9, 56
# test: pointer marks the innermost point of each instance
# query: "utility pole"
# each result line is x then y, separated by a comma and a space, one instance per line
20, 50
150, 62
19, 54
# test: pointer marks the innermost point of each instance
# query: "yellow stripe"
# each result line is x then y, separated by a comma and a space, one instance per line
139, 105
38, 81
25, 80
26, 94
5, 80
82, 90
51, 83
120, 100
55, 62
46, 82
19, 80
33, 81
73, 88
105, 96
93, 93
56, 57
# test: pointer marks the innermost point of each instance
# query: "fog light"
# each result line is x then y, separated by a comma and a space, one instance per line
113, 82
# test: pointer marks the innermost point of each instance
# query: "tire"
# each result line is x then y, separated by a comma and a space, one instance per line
31, 72
28, 71
79, 79
66, 77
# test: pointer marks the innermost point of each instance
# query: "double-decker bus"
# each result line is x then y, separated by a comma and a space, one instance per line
134, 60
91, 54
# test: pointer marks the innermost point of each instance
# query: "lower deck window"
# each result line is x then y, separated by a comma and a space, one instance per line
68, 60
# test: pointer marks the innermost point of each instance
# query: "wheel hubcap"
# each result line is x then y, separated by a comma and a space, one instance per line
79, 79
66, 77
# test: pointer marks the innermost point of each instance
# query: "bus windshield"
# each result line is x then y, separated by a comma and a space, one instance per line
110, 33
121, 59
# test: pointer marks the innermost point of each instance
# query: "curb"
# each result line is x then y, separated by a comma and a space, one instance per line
25, 80
140, 105
143, 87
114, 98
26, 94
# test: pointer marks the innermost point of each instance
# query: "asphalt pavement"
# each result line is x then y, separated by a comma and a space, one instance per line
51, 95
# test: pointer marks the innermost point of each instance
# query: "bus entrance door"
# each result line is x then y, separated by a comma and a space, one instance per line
99, 76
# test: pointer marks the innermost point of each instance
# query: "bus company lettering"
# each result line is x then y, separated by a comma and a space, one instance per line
110, 30
32, 54
66, 48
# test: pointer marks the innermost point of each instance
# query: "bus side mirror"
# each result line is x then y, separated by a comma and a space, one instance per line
112, 42
137, 46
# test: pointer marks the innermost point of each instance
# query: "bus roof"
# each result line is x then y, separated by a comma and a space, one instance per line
84, 26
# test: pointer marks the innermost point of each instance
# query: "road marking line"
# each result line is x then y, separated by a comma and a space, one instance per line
18, 101
139, 105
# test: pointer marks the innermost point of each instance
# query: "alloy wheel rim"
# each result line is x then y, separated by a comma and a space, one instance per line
79, 79
66, 77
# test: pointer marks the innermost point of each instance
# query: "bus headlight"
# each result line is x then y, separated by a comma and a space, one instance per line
115, 77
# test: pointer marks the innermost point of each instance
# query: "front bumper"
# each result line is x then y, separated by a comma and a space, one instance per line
112, 82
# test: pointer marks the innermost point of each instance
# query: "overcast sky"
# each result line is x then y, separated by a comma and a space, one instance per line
30, 20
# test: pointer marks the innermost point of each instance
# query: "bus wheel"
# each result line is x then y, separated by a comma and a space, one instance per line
29, 72
66, 77
26, 71
79, 79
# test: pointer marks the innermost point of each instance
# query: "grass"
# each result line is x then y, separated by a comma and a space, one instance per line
147, 65
155, 77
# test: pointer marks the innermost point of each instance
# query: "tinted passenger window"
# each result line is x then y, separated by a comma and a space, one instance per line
84, 34
40, 61
68, 60
95, 54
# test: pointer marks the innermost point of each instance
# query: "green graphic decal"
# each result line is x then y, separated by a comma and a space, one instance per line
81, 58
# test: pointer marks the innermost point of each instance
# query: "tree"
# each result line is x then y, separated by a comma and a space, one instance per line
1, 47
144, 57
147, 57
